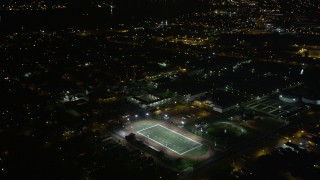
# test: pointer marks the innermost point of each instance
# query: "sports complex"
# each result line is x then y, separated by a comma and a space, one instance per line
173, 141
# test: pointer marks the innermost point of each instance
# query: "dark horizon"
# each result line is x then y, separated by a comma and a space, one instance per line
80, 17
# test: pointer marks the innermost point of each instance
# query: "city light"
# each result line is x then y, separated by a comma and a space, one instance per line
156, 88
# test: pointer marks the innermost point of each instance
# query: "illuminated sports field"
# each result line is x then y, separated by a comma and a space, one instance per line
169, 139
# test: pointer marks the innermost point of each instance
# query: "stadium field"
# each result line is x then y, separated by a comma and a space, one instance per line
169, 139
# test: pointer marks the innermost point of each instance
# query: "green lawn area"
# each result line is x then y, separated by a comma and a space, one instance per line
222, 129
228, 134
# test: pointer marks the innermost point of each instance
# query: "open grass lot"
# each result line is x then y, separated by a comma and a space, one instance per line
229, 134
170, 139
226, 129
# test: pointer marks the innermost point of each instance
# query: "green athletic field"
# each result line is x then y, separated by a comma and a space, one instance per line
169, 139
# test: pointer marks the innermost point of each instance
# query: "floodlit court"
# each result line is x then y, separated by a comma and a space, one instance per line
169, 139
272, 107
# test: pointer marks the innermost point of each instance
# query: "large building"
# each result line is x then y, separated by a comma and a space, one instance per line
221, 108
192, 97
314, 100
147, 101
307, 96
222, 101
289, 98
